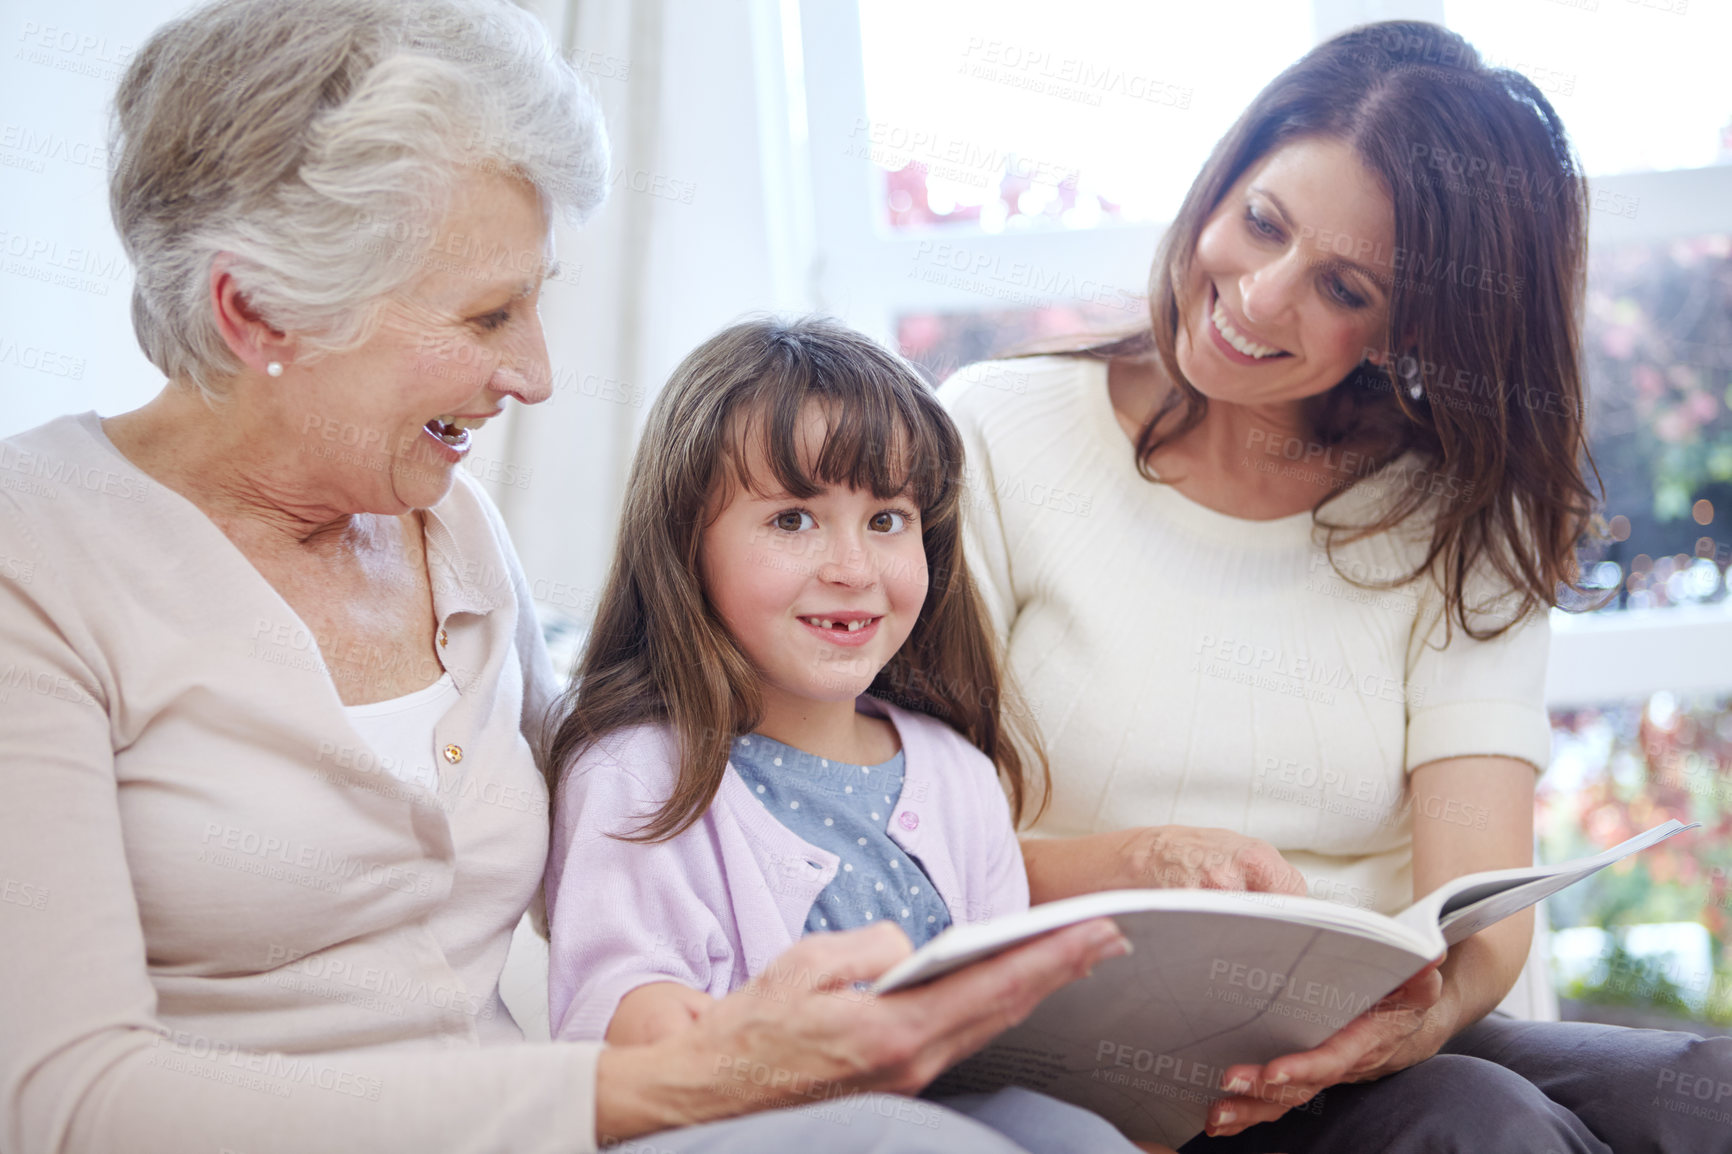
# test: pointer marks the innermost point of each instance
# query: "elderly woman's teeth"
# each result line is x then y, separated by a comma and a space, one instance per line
461, 422
454, 431
1226, 329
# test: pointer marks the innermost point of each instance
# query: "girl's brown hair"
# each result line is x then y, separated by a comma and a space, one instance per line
1484, 309
658, 651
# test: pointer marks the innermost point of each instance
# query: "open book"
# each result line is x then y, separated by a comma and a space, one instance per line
1217, 978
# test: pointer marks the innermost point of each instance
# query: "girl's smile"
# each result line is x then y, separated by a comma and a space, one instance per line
842, 628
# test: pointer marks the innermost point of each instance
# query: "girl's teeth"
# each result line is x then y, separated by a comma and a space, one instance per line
826, 623
1225, 328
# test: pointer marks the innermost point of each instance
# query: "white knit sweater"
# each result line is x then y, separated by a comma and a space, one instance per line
1188, 667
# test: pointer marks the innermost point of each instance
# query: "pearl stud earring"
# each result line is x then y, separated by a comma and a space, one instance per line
275, 368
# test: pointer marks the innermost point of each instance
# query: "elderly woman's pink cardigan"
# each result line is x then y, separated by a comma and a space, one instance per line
223, 926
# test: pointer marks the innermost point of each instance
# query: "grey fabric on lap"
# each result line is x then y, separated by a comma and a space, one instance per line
1639, 1091
865, 1124
1040, 1124
1521, 1087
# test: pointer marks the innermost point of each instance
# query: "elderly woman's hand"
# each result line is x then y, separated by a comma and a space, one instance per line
1156, 857
802, 1031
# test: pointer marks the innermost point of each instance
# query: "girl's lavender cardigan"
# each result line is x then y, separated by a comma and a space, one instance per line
712, 907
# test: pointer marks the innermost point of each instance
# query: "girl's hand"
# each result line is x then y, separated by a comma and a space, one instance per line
1409, 1025
802, 1031
654, 1011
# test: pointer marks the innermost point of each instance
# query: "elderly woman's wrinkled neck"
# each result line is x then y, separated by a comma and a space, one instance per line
241, 476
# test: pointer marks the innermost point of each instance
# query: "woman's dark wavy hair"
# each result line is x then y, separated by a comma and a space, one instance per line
659, 652
1484, 310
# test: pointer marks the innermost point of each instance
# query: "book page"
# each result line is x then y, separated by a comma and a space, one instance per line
1216, 979
963, 945
1145, 1041
1470, 903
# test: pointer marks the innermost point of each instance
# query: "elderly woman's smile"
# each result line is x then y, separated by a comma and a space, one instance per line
453, 432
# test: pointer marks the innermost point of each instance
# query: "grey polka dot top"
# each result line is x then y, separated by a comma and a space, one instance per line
845, 808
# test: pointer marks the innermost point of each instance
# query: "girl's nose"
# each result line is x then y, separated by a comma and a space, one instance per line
848, 564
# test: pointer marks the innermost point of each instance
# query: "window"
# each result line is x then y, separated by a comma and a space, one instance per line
1658, 355
1000, 117
1641, 84
1645, 941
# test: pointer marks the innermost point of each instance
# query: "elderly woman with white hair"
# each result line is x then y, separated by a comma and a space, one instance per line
273, 679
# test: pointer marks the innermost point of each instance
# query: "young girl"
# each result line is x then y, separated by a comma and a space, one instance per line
789, 718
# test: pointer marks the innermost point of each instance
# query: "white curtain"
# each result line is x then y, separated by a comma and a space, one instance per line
700, 227
703, 224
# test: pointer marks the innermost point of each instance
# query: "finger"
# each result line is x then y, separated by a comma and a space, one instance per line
1269, 872
1254, 1088
836, 960
1415, 981
1391, 1019
1241, 1112
1231, 1115
1241, 1078
965, 1010
1420, 992
1330, 1062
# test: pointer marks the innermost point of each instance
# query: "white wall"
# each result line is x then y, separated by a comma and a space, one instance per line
66, 340
695, 233
661, 269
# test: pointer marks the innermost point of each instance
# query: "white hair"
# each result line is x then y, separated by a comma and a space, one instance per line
318, 141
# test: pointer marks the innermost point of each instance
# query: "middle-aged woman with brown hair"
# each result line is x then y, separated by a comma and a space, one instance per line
1273, 575
273, 677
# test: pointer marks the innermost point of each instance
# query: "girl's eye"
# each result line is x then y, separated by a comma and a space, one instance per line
794, 520
889, 521
1259, 225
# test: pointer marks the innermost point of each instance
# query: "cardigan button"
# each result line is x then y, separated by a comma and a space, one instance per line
454, 753
444, 638
908, 819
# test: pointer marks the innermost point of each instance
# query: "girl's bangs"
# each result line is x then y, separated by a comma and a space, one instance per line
875, 440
